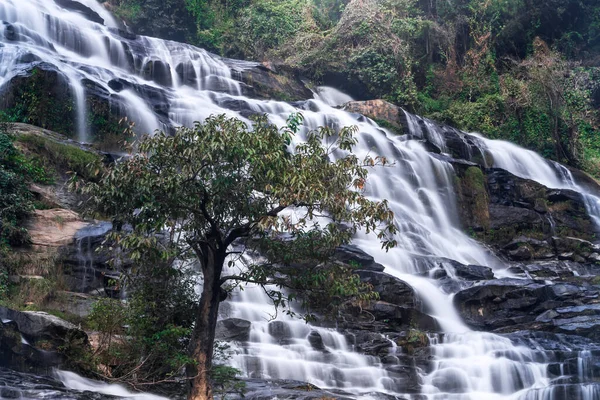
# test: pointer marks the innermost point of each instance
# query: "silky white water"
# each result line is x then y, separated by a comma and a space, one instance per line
160, 84
76, 382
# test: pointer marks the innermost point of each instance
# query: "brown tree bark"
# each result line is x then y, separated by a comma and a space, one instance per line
203, 336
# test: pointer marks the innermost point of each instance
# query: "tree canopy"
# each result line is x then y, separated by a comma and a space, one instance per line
206, 192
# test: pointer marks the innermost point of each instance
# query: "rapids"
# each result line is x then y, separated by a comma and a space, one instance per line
188, 84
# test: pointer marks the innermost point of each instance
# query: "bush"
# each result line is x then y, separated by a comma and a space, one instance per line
15, 198
150, 332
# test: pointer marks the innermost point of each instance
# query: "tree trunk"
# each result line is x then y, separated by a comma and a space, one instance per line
203, 336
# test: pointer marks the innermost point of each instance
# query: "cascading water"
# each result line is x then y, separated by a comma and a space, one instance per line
162, 84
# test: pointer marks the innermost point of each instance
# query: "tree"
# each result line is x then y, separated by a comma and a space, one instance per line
220, 186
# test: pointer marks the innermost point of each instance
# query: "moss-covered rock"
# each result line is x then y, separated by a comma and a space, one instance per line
41, 97
520, 217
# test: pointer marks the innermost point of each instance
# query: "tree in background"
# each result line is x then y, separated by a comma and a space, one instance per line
212, 191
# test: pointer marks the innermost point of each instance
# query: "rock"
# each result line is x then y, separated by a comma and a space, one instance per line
573, 245
37, 341
517, 215
567, 392
268, 389
81, 9
55, 227
555, 342
390, 288
233, 329
379, 110
86, 265
269, 82
512, 304
396, 317
280, 330
522, 253
473, 272
316, 341
29, 386
371, 343
40, 326
158, 71
351, 254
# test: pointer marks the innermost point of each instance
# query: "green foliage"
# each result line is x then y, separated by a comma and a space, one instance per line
268, 24
225, 378
38, 101
56, 155
168, 19
220, 182
149, 333
15, 198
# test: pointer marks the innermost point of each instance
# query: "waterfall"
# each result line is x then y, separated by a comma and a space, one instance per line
75, 382
160, 84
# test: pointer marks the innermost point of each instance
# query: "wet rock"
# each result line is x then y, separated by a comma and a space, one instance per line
9, 31
512, 304
371, 343
269, 81
351, 254
316, 341
268, 389
280, 330
390, 288
567, 392
522, 253
396, 317
379, 110
233, 329
158, 71
80, 9
474, 272
39, 326
29, 386
36, 341
86, 264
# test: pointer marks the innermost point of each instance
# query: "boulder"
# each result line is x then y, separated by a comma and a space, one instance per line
269, 81
396, 317
353, 255
473, 272
316, 341
37, 341
506, 305
81, 9
378, 110
390, 288
233, 329
38, 326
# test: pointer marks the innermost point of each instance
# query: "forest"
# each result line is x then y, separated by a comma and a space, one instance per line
519, 70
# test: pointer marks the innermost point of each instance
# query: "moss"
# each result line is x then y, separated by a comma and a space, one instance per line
41, 99
104, 124
388, 125
413, 340
474, 188
60, 156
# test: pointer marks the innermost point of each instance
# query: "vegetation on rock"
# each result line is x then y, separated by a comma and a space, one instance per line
519, 70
